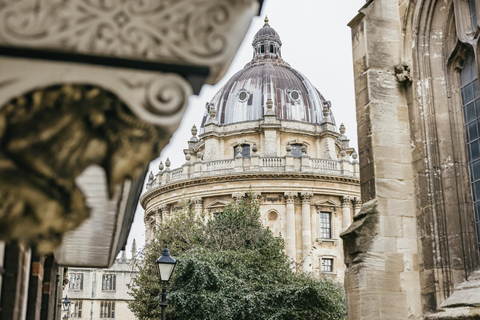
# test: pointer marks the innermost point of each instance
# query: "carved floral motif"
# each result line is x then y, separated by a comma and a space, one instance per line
154, 30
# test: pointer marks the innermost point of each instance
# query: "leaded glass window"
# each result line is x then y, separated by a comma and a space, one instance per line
327, 265
473, 14
471, 112
77, 309
109, 282
107, 309
325, 225
296, 149
76, 281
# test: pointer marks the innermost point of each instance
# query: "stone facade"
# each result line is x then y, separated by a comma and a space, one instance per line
101, 293
412, 251
295, 161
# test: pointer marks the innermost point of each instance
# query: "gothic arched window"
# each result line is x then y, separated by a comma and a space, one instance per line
471, 111
473, 14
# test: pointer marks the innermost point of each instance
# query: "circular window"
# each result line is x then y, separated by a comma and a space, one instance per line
243, 96
294, 95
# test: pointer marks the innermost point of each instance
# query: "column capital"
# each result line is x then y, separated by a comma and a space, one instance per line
256, 195
306, 196
237, 196
346, 201
357, 202
290, 196
197, 201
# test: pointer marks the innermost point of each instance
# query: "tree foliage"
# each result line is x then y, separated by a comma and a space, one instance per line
230, 268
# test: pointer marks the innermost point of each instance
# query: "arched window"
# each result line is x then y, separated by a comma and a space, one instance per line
471, 112
262, 49
473, 14
271, 48
297, 149
245, 150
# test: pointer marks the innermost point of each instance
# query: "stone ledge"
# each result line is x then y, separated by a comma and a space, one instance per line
460, 313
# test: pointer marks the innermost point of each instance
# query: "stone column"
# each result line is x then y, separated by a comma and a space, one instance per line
306, 231
346, 212
290, 224
198, 206
357, 205
382, 278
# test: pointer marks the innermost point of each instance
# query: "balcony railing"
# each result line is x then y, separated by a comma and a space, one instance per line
197, 169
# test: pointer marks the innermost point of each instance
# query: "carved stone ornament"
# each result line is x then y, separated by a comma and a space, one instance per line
306, 197
238, 195
402, 72
48, 137
196, 32
290, 196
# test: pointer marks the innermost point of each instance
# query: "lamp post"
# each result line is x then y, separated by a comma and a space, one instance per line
165, 266
66, 307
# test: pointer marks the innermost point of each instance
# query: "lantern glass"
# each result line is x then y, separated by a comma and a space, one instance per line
165, 265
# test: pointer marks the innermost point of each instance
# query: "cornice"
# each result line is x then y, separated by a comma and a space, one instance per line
147, 196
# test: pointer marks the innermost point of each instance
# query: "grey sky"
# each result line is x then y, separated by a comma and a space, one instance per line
316, 41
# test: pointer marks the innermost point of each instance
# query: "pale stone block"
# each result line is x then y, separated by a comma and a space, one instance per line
407, 245
390, 226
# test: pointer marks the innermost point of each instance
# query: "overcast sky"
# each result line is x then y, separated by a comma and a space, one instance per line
316, 41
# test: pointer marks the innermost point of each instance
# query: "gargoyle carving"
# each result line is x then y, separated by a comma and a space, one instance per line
48, 137
402, 72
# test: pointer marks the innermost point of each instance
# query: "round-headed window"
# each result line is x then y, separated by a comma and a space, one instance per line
294, 95
243, 96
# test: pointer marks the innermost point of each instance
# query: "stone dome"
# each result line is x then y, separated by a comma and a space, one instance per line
267, 75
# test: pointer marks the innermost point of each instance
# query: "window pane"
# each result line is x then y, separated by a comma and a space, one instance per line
474, 150
476, 170
472, 131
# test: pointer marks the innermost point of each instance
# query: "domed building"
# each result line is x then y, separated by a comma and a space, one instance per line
271, 132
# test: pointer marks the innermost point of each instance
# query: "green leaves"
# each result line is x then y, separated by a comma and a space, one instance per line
230, 268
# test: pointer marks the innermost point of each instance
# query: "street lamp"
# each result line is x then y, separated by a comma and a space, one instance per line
165, 266
66, 307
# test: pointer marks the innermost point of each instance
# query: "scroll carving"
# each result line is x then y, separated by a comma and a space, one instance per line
195, 32
48, 137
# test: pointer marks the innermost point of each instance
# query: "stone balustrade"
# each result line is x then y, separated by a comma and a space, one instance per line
288, 164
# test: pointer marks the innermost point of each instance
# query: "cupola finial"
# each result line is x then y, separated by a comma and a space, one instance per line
266, 19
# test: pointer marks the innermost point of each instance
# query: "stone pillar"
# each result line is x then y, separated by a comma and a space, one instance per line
346, 212
382, 278
197, 205
237, 196
357, 205
290, 225
49, 288
306, 231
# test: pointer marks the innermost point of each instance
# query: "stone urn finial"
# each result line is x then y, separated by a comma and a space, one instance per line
254, 148
194, 130
150, 177
160, 166
199, 155
289, 150
304, 150
342, 129
239, 151
354, 155
270, 106
167, 163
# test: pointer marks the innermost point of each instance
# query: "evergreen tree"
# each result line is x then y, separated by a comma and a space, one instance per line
230, 268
